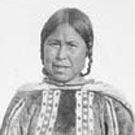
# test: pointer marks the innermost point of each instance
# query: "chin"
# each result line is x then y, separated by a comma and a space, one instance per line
62, 78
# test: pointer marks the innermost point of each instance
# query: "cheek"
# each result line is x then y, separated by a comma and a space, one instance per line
49, 56
78, 62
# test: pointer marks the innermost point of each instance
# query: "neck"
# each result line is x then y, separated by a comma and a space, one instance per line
77, 81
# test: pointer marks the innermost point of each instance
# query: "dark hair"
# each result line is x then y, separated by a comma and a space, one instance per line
78, 20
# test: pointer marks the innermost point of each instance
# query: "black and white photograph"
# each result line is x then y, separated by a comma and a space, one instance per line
67, 67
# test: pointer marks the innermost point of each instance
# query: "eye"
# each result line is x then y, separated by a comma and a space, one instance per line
53, 44
72, 45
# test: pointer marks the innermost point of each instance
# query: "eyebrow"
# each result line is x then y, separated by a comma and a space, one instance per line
56, 40
69, 42
59, 41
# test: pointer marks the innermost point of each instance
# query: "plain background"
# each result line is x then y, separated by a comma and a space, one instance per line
114, 48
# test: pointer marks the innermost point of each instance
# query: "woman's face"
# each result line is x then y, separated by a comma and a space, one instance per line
64, 54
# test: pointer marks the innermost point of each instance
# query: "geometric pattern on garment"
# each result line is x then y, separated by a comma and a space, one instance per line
84, 113
48, 113
13, 123
114, 129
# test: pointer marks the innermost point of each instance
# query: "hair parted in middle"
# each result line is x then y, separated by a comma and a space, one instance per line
78, 20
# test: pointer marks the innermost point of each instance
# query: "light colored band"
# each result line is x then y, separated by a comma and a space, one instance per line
91, 114
13, 127
79, 113
113, 116
84, 113
42, 112
54, 112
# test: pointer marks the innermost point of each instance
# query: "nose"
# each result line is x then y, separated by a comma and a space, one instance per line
61, 53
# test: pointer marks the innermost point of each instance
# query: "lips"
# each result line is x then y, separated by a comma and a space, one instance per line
60, 66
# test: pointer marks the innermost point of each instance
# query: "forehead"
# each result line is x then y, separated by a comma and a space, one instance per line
65, 31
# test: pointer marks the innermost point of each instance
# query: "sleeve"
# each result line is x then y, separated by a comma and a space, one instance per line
11, 124
125, 118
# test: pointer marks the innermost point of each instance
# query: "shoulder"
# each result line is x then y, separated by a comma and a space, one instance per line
117, 103
29, 94
31, 90
26, 95
26, 99
106, 90
125, 117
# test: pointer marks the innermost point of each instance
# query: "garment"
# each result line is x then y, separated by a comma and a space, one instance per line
91, 108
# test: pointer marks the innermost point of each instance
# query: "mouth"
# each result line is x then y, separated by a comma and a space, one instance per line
60, 66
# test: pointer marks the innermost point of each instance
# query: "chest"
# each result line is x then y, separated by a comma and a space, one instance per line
68, 113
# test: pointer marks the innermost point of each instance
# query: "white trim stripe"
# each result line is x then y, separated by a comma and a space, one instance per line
116, 128
79, 113
111, 127
90, 114
84, 112
17, 106
14, 116
42, 112
53, 116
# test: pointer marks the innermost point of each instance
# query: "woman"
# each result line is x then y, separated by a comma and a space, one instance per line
66, 103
